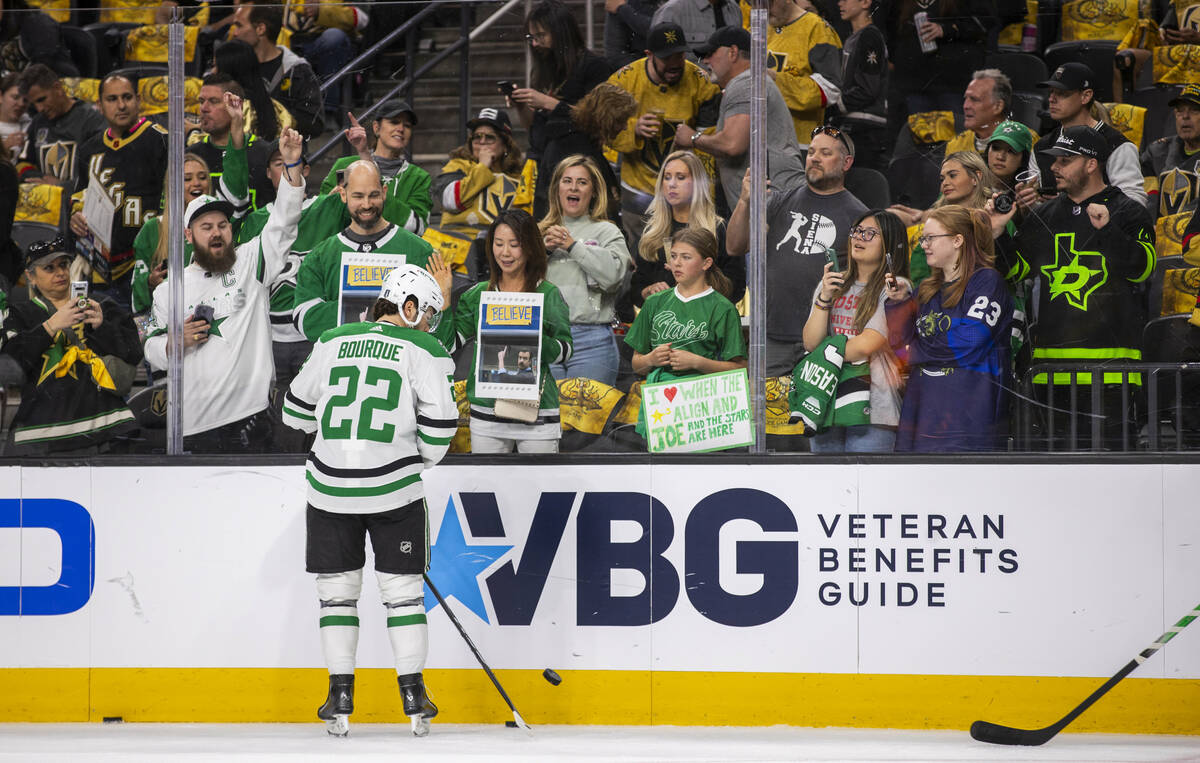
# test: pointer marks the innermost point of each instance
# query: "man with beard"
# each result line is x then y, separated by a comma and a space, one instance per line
319, 280
726, 55
227, 368
802, 223
62, 124
1093, 248
670, 91
127, 162
210, 141
407, 201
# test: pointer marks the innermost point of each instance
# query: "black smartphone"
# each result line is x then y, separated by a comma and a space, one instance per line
203, 313
506, 87
341, 177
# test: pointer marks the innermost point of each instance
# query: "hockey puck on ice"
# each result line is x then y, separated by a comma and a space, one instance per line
551, 676
114, 719
511, 724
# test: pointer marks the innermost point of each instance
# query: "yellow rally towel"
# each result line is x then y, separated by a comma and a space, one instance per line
931, 126
60, 362
1176, 64
585, 404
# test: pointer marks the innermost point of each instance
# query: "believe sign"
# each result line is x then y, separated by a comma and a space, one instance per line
698, 414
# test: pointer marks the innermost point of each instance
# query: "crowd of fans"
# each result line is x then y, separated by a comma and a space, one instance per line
1050, 236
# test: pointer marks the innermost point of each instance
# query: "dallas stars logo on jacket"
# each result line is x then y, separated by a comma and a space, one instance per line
1075, 274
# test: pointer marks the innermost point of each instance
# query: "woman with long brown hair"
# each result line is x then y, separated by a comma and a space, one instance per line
517, 263
957, 329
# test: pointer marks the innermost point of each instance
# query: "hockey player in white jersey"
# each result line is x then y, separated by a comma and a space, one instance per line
379, 396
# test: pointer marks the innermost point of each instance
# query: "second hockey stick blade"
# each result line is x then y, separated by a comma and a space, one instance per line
995, 733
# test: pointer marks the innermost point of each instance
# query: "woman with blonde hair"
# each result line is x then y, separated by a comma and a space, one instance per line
683, 198
588, 262
957, 329
965, 180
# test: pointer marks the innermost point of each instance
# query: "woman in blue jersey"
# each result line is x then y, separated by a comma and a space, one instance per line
517, 262
957, 328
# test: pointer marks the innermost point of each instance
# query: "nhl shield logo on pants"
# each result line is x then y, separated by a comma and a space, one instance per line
406, 547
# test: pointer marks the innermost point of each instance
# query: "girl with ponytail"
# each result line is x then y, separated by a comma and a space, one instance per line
957, 329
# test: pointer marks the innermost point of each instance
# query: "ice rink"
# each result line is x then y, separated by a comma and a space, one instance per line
295, 742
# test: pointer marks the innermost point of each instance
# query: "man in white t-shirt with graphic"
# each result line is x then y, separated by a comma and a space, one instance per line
802, 222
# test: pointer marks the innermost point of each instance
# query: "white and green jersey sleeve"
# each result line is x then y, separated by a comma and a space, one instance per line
380, 399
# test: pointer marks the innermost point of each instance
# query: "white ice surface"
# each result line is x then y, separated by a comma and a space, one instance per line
294, 742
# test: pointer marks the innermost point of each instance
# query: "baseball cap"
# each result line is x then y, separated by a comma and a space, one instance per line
1079, 141
1072, 76
666, 39
1189, 94
1014, 134
728, 35
494, 118
45, 252
394, 108
203, 204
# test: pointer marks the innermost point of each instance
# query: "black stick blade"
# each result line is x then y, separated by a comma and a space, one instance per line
993, 733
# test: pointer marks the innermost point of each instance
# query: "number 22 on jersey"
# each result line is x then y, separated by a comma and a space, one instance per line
348, 416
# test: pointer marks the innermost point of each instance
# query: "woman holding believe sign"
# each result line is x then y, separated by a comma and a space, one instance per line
517, 264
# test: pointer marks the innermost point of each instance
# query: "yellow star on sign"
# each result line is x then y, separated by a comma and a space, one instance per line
657, 416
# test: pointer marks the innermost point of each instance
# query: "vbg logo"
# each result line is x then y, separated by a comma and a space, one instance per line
77, 535
516, 587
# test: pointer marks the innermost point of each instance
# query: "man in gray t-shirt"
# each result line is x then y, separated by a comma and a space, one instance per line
801, 223
727, 57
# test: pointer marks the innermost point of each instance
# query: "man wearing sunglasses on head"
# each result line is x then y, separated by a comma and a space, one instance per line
803, 224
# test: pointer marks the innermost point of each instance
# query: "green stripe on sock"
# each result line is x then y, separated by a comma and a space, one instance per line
397, 621
340, 620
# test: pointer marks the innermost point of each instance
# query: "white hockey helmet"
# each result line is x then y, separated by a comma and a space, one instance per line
407, 281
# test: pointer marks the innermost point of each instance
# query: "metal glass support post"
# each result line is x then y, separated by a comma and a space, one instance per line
174, 234
756, 270
464, 68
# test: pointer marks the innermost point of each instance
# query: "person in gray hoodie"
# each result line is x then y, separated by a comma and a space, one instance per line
589, 261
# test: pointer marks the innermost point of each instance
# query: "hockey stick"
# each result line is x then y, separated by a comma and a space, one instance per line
462, 632
997, 734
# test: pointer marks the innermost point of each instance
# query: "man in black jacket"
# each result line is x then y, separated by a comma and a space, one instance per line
1093, 248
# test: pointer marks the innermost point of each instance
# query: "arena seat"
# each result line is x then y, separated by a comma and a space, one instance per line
1097, 54
1024, 69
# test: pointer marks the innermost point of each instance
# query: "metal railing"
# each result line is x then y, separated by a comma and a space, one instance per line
468, 31
1080, 399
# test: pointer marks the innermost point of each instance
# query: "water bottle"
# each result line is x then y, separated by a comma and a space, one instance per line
1029, 38
920, 18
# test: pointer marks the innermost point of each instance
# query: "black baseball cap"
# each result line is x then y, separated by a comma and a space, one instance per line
1189, 94
1072, 76
394, 108
666, 39
497, 119
1079, 141
728, 35
45, 252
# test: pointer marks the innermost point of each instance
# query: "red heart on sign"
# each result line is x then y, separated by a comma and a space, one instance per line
670, 392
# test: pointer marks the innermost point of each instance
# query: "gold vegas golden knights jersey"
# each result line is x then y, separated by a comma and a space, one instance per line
694, 100
807, 58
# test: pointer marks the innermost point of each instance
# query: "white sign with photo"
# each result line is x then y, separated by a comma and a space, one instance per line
509, 348
359, 280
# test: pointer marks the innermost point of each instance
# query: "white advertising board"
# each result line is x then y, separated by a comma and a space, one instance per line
958, 569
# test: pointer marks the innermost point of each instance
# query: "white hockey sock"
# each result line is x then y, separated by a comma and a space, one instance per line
339, 593
403, 595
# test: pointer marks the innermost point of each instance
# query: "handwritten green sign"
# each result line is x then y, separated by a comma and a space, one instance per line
698, 414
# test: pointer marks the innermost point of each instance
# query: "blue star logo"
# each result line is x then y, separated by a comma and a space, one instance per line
455, 566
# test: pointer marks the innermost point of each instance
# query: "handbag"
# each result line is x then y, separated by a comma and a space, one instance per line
521, 410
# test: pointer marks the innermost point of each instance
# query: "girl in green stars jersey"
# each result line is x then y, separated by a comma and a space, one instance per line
517, 262
693, 328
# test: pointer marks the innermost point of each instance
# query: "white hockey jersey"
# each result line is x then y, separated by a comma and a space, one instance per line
229, 377
381, 399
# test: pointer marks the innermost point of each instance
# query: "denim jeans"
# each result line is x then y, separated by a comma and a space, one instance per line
595, 354
862, 438
330, 51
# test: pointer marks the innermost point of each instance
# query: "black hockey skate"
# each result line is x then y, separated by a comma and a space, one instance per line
338, 705
417, 705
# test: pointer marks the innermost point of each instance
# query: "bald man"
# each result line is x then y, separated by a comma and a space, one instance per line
319, 279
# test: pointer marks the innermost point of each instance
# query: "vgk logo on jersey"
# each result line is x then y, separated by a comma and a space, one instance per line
499, 196
776, 62
58, 159
1177, 191
1075, 274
